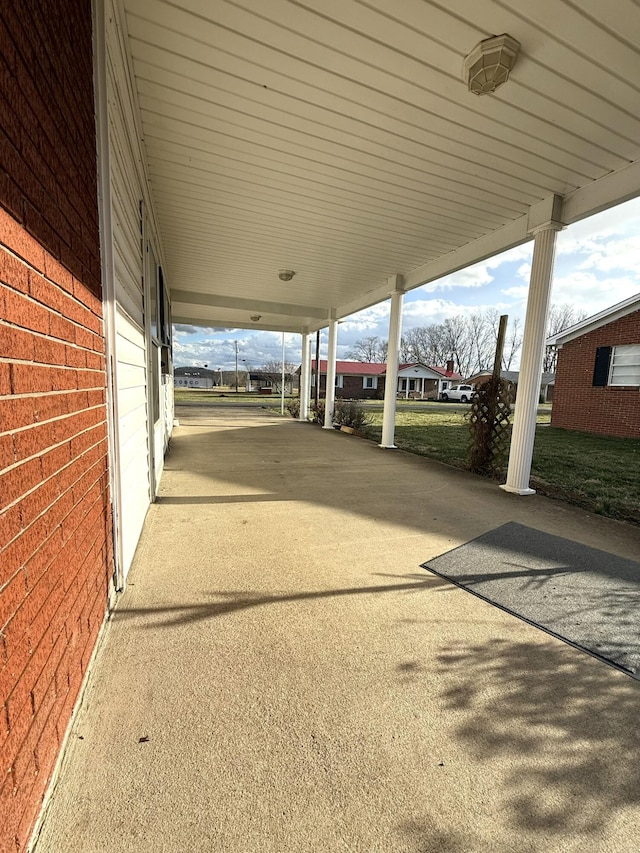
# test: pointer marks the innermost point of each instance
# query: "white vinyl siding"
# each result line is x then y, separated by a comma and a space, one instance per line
130, 347
130, 350
625, 365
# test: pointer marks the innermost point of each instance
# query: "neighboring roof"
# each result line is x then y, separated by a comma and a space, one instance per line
512, 376
439, 371
196, 372
353, 368
603, 318
448, 374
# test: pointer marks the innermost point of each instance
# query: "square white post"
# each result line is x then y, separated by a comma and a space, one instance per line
305, 378
391, 378
330, 390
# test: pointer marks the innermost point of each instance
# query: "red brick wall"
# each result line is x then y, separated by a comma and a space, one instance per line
352, 388
55, 525
577, 404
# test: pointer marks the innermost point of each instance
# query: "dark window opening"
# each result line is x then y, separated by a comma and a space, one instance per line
601, 367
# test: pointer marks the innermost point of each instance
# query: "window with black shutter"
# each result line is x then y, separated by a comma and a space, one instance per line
601, 367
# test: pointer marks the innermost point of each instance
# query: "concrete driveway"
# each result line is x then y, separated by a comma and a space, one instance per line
281, 675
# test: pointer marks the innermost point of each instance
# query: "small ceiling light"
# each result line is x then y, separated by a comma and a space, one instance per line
286, 275
489, 63
256, 317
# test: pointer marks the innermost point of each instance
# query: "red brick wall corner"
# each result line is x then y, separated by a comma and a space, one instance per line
55, 525
577, 404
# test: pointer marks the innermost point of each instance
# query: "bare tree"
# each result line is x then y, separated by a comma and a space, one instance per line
561, 317
512, 343
483, 339
469, 340
273, 371
369, 350
458, 342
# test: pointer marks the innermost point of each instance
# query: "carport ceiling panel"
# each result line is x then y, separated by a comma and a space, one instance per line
338, 139
228, 318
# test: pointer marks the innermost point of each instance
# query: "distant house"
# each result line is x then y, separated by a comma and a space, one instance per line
193, 377
546, 384
260, 382
597, 385
265, 382
362, 380
419, 381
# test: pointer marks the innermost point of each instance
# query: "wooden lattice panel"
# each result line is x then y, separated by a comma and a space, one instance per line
490, 427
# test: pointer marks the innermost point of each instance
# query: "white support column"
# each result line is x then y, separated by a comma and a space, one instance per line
535, 328
305, 376
330, 391
308, 372
391, 378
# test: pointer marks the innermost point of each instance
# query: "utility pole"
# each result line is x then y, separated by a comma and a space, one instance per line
236, 367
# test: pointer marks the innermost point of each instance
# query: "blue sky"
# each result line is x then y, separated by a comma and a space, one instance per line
597, 265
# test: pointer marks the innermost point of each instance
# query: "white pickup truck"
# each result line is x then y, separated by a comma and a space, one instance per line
458, 394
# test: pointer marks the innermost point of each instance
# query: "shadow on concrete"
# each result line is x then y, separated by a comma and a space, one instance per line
549, 709
233, 601
428, 837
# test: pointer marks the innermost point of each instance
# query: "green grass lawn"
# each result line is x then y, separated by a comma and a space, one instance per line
223, 395
598, 473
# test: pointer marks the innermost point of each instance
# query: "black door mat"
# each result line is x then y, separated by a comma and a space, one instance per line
587, 597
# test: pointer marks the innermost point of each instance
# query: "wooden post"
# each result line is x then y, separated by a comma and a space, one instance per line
502, 332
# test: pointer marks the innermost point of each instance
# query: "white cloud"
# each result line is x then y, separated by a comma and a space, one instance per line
480, 274
615, 255
590, 292
615, 222
475, 276
367, 321
424, 312
606, 233
518, 292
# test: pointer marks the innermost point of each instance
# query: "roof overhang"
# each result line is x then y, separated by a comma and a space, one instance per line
340, 141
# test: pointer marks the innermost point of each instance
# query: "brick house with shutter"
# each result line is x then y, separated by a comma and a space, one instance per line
597, 386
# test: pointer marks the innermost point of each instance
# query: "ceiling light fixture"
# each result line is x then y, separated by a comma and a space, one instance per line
286, 275
488, 65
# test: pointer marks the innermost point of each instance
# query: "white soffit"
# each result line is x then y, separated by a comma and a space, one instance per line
337, 138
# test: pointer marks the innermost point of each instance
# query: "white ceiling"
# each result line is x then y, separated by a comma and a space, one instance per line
338, 139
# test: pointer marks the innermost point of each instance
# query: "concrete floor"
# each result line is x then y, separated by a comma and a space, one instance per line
281, 675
